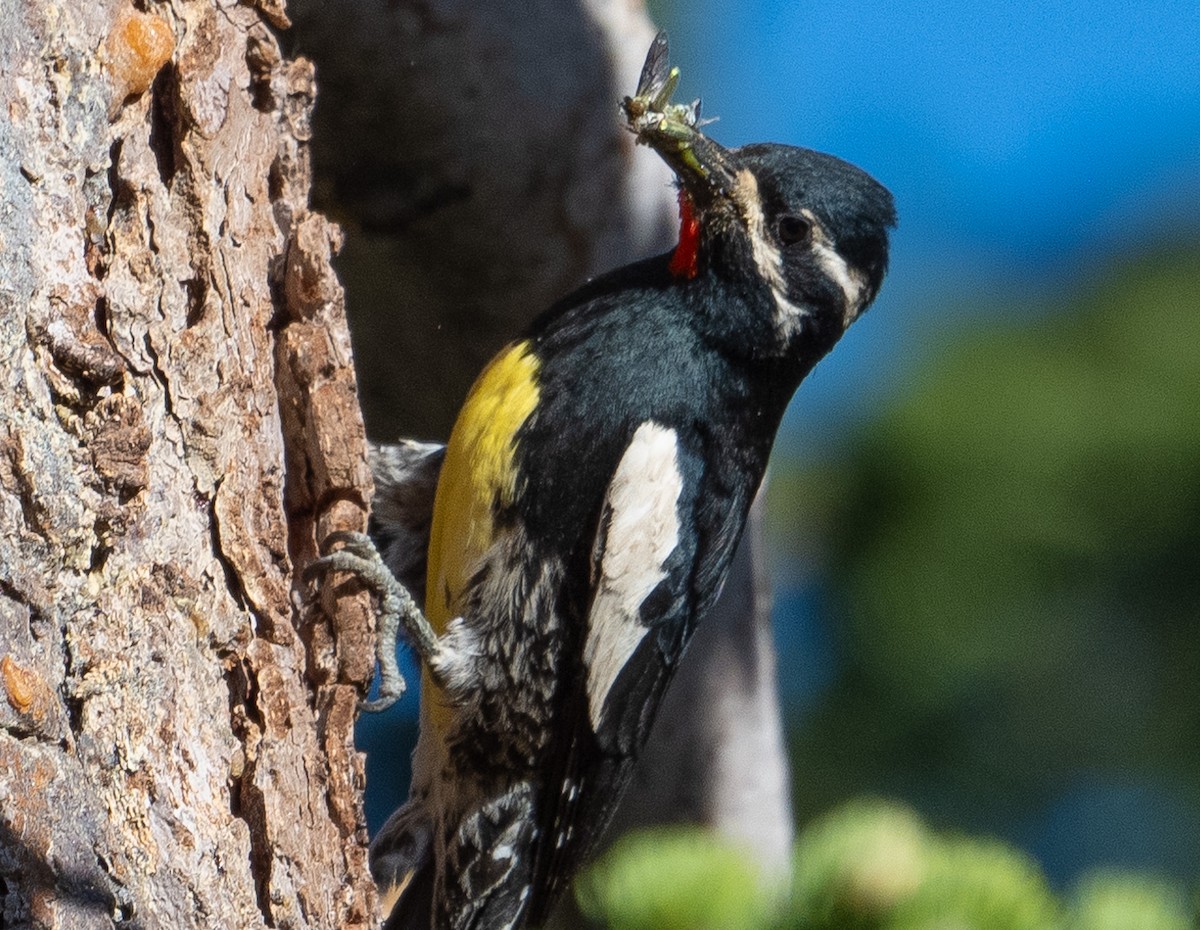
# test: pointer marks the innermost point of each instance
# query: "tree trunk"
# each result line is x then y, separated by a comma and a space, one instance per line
179, 426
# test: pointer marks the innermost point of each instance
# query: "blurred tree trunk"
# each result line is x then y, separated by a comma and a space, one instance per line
179, 425
475, 153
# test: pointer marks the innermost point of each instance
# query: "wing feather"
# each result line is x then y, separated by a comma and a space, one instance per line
664, 539
641, 530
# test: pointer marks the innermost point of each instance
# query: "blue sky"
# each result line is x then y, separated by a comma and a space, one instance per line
1024, 144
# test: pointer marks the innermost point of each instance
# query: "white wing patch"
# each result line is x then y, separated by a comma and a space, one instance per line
643, 530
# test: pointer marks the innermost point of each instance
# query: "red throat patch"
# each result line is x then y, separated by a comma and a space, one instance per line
685, 262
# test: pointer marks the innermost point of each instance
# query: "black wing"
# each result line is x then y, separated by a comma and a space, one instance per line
645, 599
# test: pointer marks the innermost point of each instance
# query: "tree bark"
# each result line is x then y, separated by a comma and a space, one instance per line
179, 426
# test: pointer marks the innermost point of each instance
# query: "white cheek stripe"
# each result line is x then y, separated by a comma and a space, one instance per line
851, 281
643, 530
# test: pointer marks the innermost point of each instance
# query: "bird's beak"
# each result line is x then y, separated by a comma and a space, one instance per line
706, 170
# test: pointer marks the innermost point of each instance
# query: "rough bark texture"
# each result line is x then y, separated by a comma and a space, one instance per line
179, 425
475, 151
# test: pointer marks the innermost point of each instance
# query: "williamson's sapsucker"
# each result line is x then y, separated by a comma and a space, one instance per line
592, 494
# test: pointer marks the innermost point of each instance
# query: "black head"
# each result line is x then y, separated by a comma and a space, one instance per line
807, 231
814, 228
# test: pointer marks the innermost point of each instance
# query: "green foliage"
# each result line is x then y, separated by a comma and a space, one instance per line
874, 866
868, 866
1115, 901
1033, 467
679, 879
856, 867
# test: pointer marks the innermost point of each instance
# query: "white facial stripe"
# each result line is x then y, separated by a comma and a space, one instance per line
850, 280
766, 253
769, 260
643, 530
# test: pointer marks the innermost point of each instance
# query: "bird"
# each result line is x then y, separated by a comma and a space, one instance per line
588, 505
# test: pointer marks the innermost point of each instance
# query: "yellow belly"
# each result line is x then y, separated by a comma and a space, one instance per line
478, 475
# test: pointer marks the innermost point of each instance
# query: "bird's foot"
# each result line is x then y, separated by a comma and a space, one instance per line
397, 610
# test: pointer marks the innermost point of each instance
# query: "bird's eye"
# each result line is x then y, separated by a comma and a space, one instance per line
793, 229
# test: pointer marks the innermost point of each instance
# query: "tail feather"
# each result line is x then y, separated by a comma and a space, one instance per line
412, 908
489, 865
402, 865
488, 868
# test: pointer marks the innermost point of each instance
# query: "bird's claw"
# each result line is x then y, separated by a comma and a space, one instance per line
358, 556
